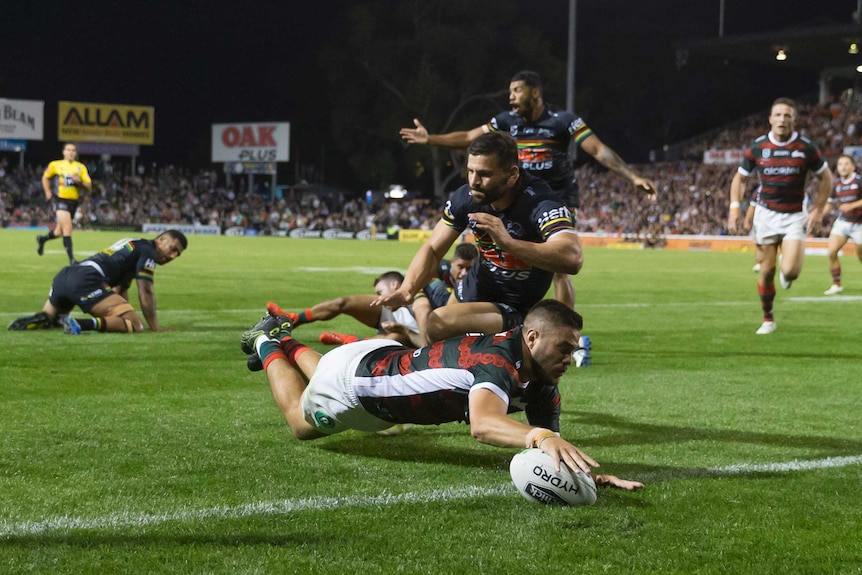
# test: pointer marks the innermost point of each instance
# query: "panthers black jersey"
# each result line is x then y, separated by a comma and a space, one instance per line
126, 260
431, 385
543, 145
535, 216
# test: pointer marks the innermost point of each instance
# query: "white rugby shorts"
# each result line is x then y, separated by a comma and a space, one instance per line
329, 403
771, 227
847, 229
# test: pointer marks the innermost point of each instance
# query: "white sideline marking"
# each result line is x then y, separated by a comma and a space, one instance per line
287, 506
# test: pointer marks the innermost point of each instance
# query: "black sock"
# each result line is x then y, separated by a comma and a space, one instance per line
89, 324
67, 243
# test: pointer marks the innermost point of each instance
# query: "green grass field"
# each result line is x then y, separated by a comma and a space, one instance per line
161, 453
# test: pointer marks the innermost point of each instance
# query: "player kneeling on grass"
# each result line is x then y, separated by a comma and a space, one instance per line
374, 384
99, 286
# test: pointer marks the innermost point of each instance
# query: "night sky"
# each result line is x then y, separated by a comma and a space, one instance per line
200, 63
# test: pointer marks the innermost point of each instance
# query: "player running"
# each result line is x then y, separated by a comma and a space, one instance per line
71, 176
782, 160
848, 226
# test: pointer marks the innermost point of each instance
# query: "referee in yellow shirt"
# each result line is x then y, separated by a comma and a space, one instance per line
71, 176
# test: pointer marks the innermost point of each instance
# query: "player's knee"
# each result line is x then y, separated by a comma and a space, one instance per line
133, 323
438, 326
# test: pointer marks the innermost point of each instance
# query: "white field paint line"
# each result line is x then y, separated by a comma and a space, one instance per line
287, 506
259, 310
825, 298
284, 507
357, 269
744, 468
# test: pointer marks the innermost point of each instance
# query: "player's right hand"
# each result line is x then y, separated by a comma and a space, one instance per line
417, 135
733, 221
561, 450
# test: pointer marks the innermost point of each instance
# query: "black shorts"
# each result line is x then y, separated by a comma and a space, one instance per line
438, 293
62, 204
79, 285
468, 291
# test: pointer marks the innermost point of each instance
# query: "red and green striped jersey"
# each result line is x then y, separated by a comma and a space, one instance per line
431, 385
847, 191
782, 168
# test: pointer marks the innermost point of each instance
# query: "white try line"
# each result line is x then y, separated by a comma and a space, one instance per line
287, 506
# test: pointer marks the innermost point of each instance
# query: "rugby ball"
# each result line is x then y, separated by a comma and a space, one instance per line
533, 473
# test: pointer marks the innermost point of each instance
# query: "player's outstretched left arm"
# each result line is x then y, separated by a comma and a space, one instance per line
607, 157
423, 267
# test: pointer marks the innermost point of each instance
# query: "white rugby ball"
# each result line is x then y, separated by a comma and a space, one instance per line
534, 475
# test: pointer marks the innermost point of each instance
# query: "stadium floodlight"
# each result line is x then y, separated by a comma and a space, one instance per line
781, 56
853, 49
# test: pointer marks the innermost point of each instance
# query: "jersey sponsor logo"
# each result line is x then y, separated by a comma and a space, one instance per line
781, 170
93, 294
150, 264
534, 154
555, 214
499, 272
797, 154
537, 166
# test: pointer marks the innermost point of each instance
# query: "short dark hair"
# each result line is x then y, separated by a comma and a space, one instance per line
466, 251
177, 235
529, 78
389, 276
498, 144
849, 157
552, 312
786, 102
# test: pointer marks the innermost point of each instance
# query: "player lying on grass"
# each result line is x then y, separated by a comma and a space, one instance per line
397, 323
374, 384
99, 286
405, 324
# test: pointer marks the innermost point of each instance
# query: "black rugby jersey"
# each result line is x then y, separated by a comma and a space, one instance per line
782, 168
543, 145
126, 260
535, 215
430, 385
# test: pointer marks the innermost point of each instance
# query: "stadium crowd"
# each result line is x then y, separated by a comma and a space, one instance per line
693, 195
